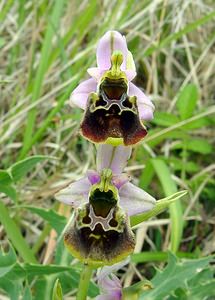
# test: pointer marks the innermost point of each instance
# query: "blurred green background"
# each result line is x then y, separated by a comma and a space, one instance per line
45, 50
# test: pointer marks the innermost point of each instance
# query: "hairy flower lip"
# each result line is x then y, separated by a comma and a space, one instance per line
90, 241
115, 119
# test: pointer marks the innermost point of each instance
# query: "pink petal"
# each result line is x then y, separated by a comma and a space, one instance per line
114, 158
80, 95
120, 180
145, 105
130, 74
107, 270
135, 200
76, 193
110, 42
93, 176
96, 73
109, 284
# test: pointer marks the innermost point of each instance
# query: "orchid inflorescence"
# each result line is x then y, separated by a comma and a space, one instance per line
114, 113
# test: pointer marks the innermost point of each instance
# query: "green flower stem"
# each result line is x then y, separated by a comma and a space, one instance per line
84, 282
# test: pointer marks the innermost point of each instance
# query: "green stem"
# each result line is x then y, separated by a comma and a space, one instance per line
84, 282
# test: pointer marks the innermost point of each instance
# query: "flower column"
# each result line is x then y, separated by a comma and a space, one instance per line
114, 111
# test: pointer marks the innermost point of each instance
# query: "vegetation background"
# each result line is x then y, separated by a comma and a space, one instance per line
46, 48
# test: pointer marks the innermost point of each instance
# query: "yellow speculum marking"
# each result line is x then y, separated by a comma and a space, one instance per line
114, 141
95, 236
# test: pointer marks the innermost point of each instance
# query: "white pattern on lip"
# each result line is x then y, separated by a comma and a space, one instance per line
104, 222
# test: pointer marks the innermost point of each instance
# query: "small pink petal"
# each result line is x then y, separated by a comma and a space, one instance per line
110, 42
114, 158
145, 112
107, 270
120, 180
109, 284
130, 74
144, 104
80, 95
93, 176
76, 193
96, 73
135, 200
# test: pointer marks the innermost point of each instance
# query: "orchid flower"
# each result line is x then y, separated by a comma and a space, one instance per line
103, 200
132, 199
112, 103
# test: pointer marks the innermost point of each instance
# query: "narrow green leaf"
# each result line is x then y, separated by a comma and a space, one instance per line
28, 270
165, 119
27, 293
187, 100
5, 177
52, 28
160, 206
14, 235
177, 35
169, 188
146, 175
12, 288
198, 124
21, 168
195, 145
4, 9
9, 190
47, 121
190, 166
152, 256
161, 134
7, 261
56, 221
57, 291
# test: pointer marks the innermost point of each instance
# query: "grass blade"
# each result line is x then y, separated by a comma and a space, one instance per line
169, 187
15, 236
43, 65
177, 35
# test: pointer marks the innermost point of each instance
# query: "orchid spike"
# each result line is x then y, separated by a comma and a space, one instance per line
111, 102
